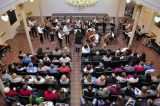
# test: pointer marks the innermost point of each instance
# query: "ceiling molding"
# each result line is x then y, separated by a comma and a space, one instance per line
151, 4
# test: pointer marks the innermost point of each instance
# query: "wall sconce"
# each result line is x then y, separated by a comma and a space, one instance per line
128, 1
4, 17
157, 19
30, 0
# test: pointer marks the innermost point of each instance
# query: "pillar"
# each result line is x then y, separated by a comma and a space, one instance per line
26, 27
40, 11
2, 88
139, 7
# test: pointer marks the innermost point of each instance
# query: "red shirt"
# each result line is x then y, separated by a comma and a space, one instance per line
11, 93
50, 95
24, 92
64, 69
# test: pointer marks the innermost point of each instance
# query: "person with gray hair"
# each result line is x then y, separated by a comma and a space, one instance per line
97, 57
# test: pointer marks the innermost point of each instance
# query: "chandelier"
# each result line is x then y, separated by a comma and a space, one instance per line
81, 3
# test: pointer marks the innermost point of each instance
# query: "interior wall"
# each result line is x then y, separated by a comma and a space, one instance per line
147, 18
59, 6
9, 30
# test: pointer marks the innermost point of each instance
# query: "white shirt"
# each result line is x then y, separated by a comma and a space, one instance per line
96, 38
60, 36
87, 50
95, 21
56, 20
40, 30
57, 28
66, 30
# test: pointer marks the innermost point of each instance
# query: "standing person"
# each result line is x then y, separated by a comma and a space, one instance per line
104, 25
30, 25
83, 29
52, 34
46, 29
66, 32
40, 32
60, 38
78, 41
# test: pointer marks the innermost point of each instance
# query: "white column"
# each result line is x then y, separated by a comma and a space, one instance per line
26, 27
40, 11
139, 7
2, 88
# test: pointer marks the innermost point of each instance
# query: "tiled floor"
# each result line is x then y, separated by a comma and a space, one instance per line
20, 43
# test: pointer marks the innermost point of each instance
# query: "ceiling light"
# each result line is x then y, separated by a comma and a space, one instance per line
4, 17
128, 1
157, 19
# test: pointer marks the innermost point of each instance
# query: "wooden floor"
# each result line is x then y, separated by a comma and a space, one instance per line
20, 43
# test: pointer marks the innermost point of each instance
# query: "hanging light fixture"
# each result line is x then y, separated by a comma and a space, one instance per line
128, 1
81, 3
157, 19
4, 17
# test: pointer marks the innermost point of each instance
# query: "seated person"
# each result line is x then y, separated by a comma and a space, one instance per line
10, 92
103, 92
26, 59
66, 51
57, 51
156, 78
6, 76
88, 94
107, 57
99, 68
152, 91
101, 80
139, 67
29, 79
55, 60
88, 79
21, 68
149, 67
40, 51
97, 57
42, 68
31, 68
50, 80
16, 78
122, 78
46, 59
24, 91
115, 89
64, 59
53, 69
128, 90
133, 79
39, 80
133, 57
64, 69
147, 78
112, 79
64, 80
129, 68
86, 49
50, 94
88, 69
48, 51
63, 96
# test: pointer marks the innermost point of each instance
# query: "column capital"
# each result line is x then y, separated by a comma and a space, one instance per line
21, 6
139, 7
